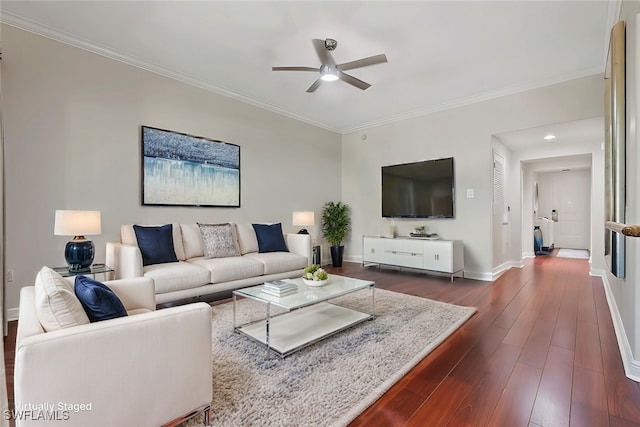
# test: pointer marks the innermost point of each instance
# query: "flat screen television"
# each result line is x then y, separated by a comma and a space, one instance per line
423, 189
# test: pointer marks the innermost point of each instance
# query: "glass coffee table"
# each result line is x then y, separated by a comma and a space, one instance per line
309, 314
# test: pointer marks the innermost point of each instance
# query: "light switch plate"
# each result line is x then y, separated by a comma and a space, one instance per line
470, 193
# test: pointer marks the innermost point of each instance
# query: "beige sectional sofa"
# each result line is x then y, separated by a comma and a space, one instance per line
194, 275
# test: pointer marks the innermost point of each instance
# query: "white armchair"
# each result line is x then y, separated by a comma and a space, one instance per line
145, 369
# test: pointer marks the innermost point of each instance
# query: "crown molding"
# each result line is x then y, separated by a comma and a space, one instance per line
71, 40
486, 96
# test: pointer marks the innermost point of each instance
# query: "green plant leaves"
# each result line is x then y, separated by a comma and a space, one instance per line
336, 222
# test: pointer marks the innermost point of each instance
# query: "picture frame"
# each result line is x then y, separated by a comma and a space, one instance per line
615, 150
186, 170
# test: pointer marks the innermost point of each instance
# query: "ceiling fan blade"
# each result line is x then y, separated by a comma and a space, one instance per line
295, 69
315, 85
364, 62
353, 81
323, 53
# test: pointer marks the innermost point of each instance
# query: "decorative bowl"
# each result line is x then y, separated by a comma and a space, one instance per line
315, 283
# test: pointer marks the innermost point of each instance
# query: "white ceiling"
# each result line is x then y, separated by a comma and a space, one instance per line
578, 132
440, 53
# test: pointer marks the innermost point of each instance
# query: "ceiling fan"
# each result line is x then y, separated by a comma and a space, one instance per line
330, 71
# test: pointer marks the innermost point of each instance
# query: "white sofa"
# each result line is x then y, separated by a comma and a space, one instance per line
145, 369
194, 276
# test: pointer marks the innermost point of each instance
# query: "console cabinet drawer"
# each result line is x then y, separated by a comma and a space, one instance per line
404, 259
403, 245
445, 256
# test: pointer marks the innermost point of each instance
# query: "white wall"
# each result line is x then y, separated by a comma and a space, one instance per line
4, 400
630, 286
72, 123
625, 297
464, 133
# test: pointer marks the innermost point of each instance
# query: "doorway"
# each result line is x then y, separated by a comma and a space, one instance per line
546, 154
564, 197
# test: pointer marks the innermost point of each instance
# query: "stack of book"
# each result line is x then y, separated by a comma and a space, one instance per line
279, 288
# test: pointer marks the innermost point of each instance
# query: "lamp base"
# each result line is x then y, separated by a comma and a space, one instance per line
79, 254
303, 231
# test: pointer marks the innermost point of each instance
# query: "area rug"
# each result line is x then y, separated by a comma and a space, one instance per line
331, 382
573, 253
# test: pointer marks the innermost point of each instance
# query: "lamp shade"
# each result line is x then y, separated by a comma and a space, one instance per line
303, 218
77, 223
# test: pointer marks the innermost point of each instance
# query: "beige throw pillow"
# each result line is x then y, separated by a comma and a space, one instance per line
192, 240
57, 306
218, 241
247, 238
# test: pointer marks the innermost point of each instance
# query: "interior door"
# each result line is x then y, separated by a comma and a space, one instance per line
500, 223
572, 202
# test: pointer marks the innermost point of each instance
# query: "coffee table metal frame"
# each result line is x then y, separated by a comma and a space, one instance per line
308, 317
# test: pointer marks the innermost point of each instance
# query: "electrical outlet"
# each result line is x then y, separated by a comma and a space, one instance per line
9, 275
470, 193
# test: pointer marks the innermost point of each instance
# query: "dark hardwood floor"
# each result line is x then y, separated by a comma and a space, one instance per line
540, 351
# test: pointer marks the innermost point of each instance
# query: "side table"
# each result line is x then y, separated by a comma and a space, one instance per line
92, 271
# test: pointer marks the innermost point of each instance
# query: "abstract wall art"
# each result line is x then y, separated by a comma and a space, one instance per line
186, 170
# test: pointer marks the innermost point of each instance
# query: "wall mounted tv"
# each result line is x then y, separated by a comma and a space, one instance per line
419, 190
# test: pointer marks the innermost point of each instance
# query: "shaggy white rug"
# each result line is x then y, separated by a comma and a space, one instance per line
333, 381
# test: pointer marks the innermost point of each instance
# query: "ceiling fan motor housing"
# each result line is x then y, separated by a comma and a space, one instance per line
330, 44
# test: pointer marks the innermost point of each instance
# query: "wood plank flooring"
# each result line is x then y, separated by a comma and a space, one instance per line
540, 351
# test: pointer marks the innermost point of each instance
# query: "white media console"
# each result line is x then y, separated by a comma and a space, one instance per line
443, 256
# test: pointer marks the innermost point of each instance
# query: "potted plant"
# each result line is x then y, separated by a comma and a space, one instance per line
336, 224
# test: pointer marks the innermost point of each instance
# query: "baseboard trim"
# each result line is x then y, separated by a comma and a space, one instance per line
631, 366
485, 277
353, 258
497, 271
13, 314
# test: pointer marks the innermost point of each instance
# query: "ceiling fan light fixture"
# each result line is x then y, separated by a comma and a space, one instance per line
328, 77
328, 73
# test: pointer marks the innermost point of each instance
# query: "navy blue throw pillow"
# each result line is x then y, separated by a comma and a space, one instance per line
156, 244
98, 301
270, 238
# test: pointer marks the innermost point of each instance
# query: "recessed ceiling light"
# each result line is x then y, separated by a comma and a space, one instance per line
549, 137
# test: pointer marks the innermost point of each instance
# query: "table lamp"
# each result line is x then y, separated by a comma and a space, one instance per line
79, 251
303, 219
